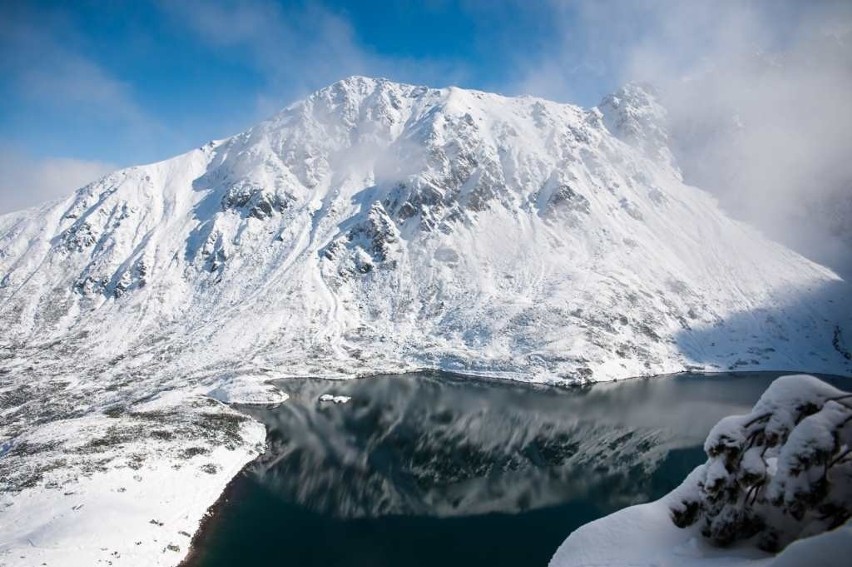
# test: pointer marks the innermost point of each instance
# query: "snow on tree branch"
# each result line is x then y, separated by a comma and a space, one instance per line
780, 473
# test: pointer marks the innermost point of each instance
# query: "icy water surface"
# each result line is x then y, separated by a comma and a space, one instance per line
433, 469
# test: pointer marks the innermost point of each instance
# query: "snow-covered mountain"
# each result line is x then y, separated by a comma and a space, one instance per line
371, 227
377, 226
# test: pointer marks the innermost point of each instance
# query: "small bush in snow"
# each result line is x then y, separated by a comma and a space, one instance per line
782, 472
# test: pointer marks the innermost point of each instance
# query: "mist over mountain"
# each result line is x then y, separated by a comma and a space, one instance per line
378, 226
770, 140
372, 227
758, 111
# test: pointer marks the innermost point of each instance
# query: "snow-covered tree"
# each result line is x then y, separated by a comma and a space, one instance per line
782, 472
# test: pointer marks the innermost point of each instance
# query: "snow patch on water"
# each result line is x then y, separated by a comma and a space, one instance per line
252, 390
330, 398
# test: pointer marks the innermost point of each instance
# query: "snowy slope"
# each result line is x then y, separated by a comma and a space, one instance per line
379, 225
375, 227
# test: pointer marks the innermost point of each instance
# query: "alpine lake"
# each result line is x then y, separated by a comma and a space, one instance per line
437, 469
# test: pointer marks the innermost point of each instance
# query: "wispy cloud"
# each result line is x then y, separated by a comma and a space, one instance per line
304, 48
73, 81
585, 53
305, 44
61, 89
759, 104
758, 95
43, 66
26, 181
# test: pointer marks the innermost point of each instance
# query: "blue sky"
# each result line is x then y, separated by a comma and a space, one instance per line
125, 82
89, 86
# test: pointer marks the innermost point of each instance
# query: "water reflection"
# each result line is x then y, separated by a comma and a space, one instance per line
423, 470
437, 445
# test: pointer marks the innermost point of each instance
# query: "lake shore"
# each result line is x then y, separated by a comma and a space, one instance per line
306, 502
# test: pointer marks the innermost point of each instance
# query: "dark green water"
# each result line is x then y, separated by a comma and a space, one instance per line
433, 469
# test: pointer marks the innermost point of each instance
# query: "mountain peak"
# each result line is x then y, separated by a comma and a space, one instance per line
359, 86
634, 114
354, 84
377, 225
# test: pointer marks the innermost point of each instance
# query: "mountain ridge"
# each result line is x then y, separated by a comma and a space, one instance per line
372, 228
360, 188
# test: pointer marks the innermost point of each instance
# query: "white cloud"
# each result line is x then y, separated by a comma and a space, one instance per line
759, 103
74, 82
301, 48
297, 50
40, 60
758, 94
26, 181
45, 69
